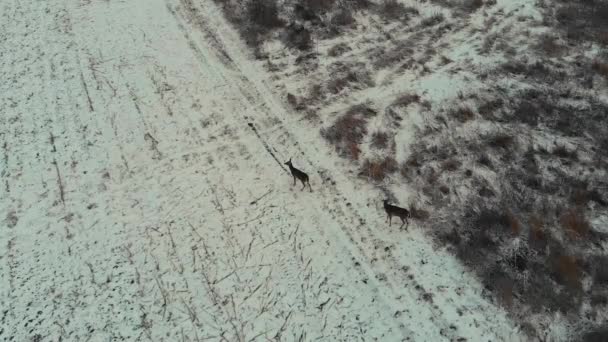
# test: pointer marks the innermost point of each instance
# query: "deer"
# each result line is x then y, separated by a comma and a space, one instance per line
392, 210
298, 174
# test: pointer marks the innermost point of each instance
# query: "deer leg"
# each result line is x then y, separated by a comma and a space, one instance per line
309, 186
402, 223
390, 220
294, 180
303, 185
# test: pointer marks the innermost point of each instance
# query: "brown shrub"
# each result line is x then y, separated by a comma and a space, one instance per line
462, 114
548, 45
380, 140
378, 170
264, 14
602, 37
514, 223
575, 223
601, 68
395, 10
348, 131
353, 150
432, 20
355, 75
568, 269
499, 140
451, 165
563, 152
405, 100
536, 228
338, 49
419, 213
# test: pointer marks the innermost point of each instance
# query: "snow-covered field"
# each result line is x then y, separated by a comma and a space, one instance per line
144, 197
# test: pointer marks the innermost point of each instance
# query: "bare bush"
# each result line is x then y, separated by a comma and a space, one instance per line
378, 170
433, 20
419, 213
574, 223
462, 114
348, 131
549, 46
298, 37
338, 49
380, 140
601, 68
345, 75
451, 165
264, 14
395, 10
499, 140
406, 99
563, 152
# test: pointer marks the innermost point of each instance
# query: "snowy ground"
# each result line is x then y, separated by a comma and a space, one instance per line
139, 204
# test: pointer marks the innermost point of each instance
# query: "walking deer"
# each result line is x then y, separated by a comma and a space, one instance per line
300, 175
392, 210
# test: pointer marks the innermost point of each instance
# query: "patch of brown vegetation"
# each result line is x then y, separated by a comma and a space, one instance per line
380, 140
601, 68
575, 223
568, 268
378, 170
406, 99
462, 114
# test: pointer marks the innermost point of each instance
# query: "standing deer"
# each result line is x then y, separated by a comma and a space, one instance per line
303, 177
392, 210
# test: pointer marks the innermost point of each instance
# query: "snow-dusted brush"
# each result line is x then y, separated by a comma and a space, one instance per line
392, 210
298, 174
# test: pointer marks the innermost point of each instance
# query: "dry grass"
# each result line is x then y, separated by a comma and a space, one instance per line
378, 170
